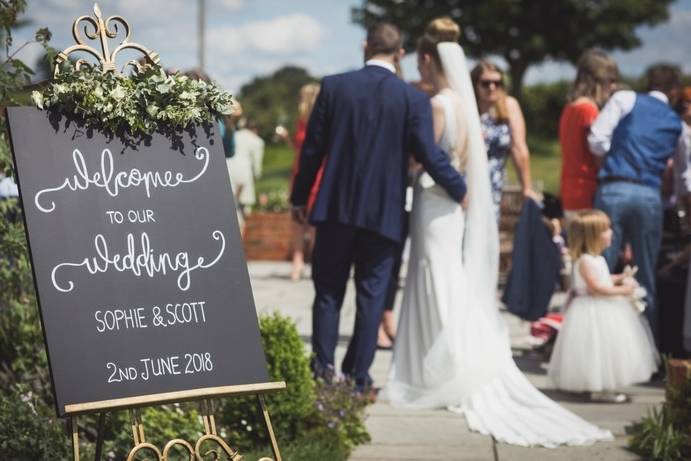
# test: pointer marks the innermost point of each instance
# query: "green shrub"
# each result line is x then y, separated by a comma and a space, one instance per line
310, 420
30, 431
338, 409
657, 439
542, 105
286, 361
309, 447
22, 353
665, 434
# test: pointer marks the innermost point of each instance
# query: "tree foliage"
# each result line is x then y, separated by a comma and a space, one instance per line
524, 32
272, 100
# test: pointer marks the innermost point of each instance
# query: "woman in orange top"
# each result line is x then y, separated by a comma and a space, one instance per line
596, 78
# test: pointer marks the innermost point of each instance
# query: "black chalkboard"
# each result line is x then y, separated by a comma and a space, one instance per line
138, 263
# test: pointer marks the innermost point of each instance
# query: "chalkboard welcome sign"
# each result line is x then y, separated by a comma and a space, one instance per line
138, 263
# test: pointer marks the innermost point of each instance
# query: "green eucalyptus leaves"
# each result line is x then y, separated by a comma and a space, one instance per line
140, 104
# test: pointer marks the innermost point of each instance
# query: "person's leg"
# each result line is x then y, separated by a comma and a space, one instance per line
374, 259
611, 198
387, 327
298, 243
645, 228
331, 261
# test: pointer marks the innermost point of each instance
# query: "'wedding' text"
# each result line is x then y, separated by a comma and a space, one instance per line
140, 261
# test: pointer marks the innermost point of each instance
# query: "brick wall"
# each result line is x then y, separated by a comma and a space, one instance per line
267, 236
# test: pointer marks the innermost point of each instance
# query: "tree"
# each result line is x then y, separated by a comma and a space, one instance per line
524, 32
273, 99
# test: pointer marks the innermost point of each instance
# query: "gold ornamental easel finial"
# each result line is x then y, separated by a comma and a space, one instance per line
103, 30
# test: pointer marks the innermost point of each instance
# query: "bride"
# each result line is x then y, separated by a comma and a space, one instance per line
452, 349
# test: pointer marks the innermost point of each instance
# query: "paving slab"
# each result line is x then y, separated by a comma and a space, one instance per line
604, 451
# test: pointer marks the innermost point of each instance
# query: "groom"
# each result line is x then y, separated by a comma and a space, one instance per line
363, 127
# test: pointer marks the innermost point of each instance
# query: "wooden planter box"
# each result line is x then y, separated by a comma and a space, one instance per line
268, 236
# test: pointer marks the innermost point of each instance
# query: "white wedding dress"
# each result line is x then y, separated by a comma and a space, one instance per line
452, 348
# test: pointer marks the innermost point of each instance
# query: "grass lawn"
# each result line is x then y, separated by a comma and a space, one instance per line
278, 160
545, 164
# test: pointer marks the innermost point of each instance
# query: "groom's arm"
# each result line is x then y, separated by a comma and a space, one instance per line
313, 149
426, 151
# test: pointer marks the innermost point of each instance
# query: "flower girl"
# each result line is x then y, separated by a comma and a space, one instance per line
604, 343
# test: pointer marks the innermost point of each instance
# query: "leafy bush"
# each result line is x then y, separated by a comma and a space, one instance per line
542, 105
665, 434
22, 353
307, 417
273, 99
286, 361
30, 430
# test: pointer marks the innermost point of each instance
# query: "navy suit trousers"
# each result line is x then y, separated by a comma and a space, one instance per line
337, 248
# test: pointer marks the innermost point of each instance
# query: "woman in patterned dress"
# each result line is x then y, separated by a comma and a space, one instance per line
503, 128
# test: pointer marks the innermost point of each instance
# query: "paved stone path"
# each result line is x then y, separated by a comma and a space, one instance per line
438, 434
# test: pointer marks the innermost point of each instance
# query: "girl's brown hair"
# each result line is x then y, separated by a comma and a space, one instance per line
501, 111
439, 30
595, 72
308, 96
585, 233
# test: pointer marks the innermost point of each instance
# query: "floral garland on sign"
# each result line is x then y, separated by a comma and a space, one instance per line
142, 104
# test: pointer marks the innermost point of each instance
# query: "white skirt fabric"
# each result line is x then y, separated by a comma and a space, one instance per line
452, 349
603, 345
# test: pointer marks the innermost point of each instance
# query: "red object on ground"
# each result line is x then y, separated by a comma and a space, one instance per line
547, 327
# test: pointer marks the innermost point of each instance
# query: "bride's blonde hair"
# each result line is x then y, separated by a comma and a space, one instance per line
585, 231
439, 30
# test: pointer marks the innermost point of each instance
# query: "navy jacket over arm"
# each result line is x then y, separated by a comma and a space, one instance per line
535, 266
363, 127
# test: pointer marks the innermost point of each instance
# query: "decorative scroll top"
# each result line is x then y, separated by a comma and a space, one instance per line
103, 30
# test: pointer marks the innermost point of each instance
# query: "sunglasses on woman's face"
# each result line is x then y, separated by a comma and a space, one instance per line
487, 83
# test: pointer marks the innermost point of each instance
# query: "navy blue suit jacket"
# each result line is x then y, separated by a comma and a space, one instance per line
363, 127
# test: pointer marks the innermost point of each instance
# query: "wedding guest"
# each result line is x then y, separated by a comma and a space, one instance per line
596, 76
604, 344
245, 166
303, 233
503, 128
635, 134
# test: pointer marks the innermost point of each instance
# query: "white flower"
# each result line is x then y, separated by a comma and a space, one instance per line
37, 98
60, 88
98, 92
117, 93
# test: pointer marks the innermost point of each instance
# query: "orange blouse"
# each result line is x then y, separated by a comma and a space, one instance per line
578, 165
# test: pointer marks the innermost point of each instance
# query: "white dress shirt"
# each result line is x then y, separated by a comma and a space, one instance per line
619, 106
380, 63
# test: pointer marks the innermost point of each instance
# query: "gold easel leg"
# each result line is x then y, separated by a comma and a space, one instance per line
269, 427
75, 437
137, 427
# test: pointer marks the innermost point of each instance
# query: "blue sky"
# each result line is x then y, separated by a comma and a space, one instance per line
247, 38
